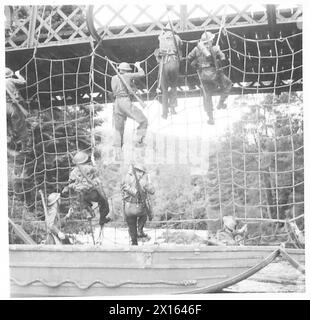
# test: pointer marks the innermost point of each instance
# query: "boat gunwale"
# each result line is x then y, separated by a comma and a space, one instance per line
144, 249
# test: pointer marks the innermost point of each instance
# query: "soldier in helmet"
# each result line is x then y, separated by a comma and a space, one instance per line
230, 235
134, 207
16, 113
54, 222
207, 58
85, 181
124, 108
168, 55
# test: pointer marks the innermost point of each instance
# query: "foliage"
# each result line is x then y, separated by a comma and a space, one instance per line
244, 169
249, 166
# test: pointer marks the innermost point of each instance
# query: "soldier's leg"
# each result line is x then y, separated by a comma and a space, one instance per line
137, 115
207, 101
141, 222
173, 70
165, 94
94, 196
86, 204
132, 229
225, 84
119, 120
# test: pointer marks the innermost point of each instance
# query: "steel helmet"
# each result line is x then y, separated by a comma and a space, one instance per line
52, 198
207, 36
230, 222
8, 72
80, 158
124, 66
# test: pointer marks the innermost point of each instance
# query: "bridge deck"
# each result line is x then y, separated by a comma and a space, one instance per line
136, 42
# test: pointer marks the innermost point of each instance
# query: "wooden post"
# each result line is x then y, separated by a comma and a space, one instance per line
21, 233
272, 19
32, 26
183, 17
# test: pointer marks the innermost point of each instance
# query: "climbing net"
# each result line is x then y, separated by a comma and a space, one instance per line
252, 169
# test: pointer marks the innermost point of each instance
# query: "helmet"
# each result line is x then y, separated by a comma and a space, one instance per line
52, 198
230, 222
207, 36
140, 167
80, 158
8, 72
124, 66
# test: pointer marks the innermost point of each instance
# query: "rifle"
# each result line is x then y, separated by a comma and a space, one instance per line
128, 87
141, 196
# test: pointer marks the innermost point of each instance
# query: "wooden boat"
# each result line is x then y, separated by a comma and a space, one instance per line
82, 270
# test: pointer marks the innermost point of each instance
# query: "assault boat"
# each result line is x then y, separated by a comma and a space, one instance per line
87, 270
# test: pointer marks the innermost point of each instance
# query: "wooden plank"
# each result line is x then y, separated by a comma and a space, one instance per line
32, 27
154, 248
21, 233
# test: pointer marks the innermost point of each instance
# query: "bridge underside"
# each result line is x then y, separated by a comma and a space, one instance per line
137, 49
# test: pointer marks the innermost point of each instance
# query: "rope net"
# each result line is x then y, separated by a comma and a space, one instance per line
249, 165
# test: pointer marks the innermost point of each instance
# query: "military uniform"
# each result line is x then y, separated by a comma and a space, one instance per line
87, 188
169, 68
53, 221
210, 78
134, 211
123, 108
230, 235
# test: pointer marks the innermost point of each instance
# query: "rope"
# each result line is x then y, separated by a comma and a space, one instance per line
78, 121
244, 275
182, 283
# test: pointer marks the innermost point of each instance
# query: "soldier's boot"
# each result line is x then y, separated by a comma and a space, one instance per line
140, 143
104, 220
141, 223
211, 121
222, 104
165, 115
172, 110
142, 234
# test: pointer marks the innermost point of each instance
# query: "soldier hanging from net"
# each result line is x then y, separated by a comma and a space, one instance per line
85, 181
122, 85
15, 110
168, 55
136, 205
207, 61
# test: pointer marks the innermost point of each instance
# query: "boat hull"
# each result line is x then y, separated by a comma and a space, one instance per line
43, 270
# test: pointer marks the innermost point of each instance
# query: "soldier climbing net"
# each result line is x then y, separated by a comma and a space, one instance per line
252, 169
